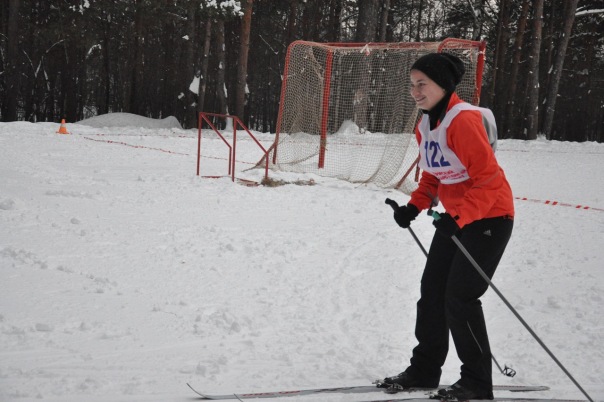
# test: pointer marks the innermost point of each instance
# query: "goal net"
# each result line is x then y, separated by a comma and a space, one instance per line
346, 111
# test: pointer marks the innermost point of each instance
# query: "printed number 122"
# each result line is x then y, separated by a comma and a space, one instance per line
432, 152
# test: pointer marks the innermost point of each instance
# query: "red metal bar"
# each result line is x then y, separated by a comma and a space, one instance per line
238, 121
204, 116
479, 67
281, 102
413, 165
199, 124
383, 45
325, 113
232, 149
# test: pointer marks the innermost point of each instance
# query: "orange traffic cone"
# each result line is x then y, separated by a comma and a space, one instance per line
63, 128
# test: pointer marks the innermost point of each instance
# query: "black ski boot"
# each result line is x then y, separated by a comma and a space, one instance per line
457, 392
403, 382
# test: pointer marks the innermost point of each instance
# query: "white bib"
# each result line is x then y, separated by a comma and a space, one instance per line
436, 157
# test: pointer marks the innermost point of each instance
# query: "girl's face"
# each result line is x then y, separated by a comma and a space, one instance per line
424, 91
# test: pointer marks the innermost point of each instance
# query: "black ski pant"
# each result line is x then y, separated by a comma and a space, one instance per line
450, 292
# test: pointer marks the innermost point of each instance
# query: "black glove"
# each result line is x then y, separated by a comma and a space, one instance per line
404, 214
446, 225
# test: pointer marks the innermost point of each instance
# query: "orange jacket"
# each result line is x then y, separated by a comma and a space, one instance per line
487, 193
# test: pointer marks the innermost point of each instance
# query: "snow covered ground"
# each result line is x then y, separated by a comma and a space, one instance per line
123, 275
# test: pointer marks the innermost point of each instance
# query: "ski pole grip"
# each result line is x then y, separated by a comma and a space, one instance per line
434, 214
392, 203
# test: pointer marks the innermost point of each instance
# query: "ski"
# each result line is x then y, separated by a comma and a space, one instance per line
298, 392
351, 390
497, 399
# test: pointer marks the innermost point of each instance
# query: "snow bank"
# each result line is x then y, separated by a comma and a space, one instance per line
130, 120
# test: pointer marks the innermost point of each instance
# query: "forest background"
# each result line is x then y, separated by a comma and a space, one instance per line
544, 71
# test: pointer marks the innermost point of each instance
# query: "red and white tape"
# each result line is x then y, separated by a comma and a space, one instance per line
562, 204
135, 146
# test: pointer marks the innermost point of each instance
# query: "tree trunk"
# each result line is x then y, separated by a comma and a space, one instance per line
244, 48
11, 73
552, 24
335, 13
291, 22
594, 127
390, 26
384, 20
310, 21
532, 110
503, 37
203, 78
169, 74
478, 14
366, 31
191, 72
508, 126
367, 21
552, 92
136, 67
419, 21
106, 103
70, 81
221, 93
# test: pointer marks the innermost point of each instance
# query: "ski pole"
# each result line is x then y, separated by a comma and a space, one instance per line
508, 372
465, 252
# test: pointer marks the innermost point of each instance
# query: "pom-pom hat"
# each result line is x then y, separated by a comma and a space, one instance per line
445, 69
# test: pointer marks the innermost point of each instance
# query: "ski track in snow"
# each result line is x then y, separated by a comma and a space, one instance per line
124, 275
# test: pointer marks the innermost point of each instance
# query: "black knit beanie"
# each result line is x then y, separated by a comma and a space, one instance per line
443, 68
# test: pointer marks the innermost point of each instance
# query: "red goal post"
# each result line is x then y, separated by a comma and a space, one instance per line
345, 110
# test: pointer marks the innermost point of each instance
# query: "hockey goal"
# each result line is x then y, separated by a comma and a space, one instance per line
346, 112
